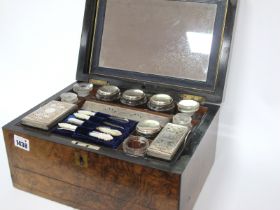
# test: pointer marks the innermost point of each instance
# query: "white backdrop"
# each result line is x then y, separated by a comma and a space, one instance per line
39, 43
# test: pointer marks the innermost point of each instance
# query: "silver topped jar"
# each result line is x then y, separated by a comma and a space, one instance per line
161, 103
135, 145
188, 106
108, 93
133, 97
148, 128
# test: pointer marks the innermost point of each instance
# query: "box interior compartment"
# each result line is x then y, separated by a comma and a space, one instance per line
201, 121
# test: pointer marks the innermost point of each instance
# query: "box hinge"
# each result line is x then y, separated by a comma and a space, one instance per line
98, 82
199, 99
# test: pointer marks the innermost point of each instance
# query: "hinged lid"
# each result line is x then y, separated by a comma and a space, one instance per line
174, 45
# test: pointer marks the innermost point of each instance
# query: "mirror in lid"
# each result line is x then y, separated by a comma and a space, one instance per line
172, 45
164, 38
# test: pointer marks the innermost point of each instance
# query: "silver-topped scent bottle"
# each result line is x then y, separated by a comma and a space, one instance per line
189, 107
148, 128
135, 145
108, 93
133, 97
161, 103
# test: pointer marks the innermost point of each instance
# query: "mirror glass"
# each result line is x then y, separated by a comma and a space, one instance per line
161, 37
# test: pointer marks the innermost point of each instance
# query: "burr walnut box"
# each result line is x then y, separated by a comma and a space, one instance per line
165, 51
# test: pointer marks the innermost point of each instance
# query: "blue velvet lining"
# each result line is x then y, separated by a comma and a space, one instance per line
82, 131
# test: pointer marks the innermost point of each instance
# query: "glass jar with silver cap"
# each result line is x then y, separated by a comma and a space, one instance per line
136, 145
134, 97
108, 93
161, 103
188, 107
148, 128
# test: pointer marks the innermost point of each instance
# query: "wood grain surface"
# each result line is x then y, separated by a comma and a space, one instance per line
51, 171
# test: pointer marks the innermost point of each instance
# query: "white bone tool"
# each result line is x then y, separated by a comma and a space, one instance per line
102, 136
110, 131
75, 121
67, 126
89, 113
81, 116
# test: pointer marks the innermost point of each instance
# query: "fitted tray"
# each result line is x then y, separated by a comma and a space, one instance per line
177, 165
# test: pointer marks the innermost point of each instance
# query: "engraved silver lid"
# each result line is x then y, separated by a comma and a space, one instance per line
161, 100
168, 141
161, 103
148, 127
108, 90
188, 106
133, 95
108, 93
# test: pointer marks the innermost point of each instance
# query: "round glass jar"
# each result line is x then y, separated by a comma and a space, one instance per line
188, 106
69, 97
148, 128
82, 89
136, 145
108, 93
161, 103
182, 119
134, 97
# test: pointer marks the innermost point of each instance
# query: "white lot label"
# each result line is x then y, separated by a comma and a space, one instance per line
21, 142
